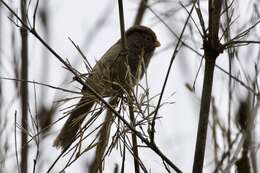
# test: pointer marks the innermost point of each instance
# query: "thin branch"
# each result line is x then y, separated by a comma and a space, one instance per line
122, 25
15, 142
167, 75
35, 12
236, 40
42, 84
196, 26
231, 55
37, 139
240, 43
123, 159
124, 48
134, 139
197, 74
88, 66
198, 10
140, 12
239, 81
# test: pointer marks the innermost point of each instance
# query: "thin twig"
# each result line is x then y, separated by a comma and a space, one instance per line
35, 12
37, 139
134, 139
167, 75
197, 74
15, 142
196, 26
39, 83
140, 12
240, 43
124, 48
123, 159
88, 66
231, 55
122, 25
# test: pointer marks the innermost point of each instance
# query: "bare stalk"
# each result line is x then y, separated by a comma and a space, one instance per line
140, 12
15, 143
124, 48
211, 50
122, 24
204, 116
1, 34
24, 88
134, 138
167, 75
231, 55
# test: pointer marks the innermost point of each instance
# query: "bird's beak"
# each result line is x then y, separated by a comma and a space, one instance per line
157, 43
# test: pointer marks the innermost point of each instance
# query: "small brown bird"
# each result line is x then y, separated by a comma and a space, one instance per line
116, 72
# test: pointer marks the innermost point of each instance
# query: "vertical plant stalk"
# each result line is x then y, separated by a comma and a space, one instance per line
214, 131
1, 102
204, 116
140, 13
1, 34
134, 138
231, 56
122, 24
24, 88
212, 49
253, 133
123, 157
15, 142
176, 50
44, 18
124, 48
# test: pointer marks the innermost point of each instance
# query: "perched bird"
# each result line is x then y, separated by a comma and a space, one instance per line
116, 72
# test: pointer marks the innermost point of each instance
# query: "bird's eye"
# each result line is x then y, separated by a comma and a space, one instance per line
147, 38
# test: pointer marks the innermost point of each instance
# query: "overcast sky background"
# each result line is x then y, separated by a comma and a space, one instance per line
176, 130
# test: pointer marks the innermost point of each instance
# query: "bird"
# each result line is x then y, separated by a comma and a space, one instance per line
118, 71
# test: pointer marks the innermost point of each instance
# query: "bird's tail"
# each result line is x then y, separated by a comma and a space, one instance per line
104, 133
69, 130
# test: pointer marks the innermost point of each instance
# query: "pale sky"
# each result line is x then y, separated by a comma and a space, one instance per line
176, 130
